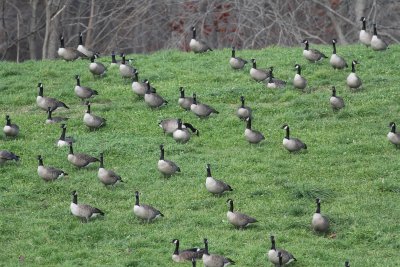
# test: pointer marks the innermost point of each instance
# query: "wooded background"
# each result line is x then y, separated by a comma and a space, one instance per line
30, 29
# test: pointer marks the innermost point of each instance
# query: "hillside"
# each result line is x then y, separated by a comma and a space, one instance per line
349, 162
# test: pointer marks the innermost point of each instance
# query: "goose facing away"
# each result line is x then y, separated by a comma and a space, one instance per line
83, 211
393, 136
84, 50
63, 140
97, 68
273, 82
312, 55
243, 112
79, 160
50, 119
258, 74
292, 144
377, 43
166, 167
299, 81
336, 61
198, 46
83, 92
107, 177
152, 99
68, 53
186, 254
44, 102
319, 223
201, 110
49, 173
236, 63
336, 101
182, 135
214, 186
238, 219
273, 254
92, 121
252, 136
214, 260
364, 37
126, 70
145, 212
7, 155
10, 129
184, 102
353, 81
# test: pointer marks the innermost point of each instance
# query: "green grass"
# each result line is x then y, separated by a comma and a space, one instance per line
349, 163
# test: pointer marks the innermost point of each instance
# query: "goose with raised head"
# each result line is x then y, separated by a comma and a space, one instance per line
83, 92
215, 186
68, 53
145, 212
312, 55
97, 68
336, 101
353, 81
107, 177
364, 36
290, 143
114, 61
377, 43
196, 45
170, 125
83, 211
182, 135
126, 70
243, 112
44, 102
214, 260
10, 129
184, 102
393, 136
92, 121
6, 155
79, 159
49, 173
201, 110
238, 219
336, 61
166, 167
273, 257
63, 140
152, 99
186, 254
319, 222
299, 81
50, 119
252, 136
258, 74
84, 50
273, 82
236, 63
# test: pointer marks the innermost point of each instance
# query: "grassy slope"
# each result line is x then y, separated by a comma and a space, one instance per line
349, 163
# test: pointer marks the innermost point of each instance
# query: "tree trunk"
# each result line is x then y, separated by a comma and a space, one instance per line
32, 27
50, 43
89, 34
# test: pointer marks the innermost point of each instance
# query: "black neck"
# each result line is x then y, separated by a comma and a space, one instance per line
254, 64
101, 161
123, 59
137, 199
75, 199
78, 81
161, 153
176, 251
194, 33
148, 87
306, 48
364, 25
298, 70
333, 91
8, 121
280, 259
273, 244
270, 77
113, 59
136, 77
182, 92
318, 208
242, 99
231, 206
334, 47
208, 171
92, 59
41, 90
393, 130
188, 125
248, 126
375, 31
40, 162
62, 42
287, 132
179, 124
63, 131
353, 67
71, 150
194, 99
88, 108
80, 39
206, 248
49, 113
233, 52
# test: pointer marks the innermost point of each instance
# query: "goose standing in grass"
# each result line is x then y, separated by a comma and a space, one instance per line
152, 99
50, 119
184, 102
243, 112
166, 167
49, 173
258, 74
238, 219
377, 43
92, 121
84, 50
201, 110
145, 212
215, 186
107, 177
97, 68
292, 144
68, 53
63, 140
80, 160
353, 81
273, 254
114, 61
126, 70
393, 136
83, 92
299, 81
186, 254
182, 135
336, 101
319, 222
138, 87
365, 37
273, 82
336, 61
7, 155
214, 260
83, 211
236, 63
10, 129
198, 46
252, 136
312, 55
45, 102
170, 125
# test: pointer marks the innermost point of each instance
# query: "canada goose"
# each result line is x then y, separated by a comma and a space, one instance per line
393, 136
252, 136
170, 125
201, 110
126, 70
63, 140
243, 112
299, 81
215, 186
337, 62
182, 135
184, 102
145, 212
10, 129
336, 101
258, 74
152, 99
107, 177
347, 264
139, 88
68, 53
114, 61
238, 219
292, 144
83, 211
186, 254
273, 254
45, 102
214, 260
312, 55
236, 63
7, 155
50, 119
377, 43
319, 223
198, 46
273, 82
49, 173
353, 81
166, 167
84, 50
92, 121
97, 68
365, 37
83, 92
80, 160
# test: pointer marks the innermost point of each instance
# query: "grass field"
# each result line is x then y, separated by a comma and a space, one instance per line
349, 164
